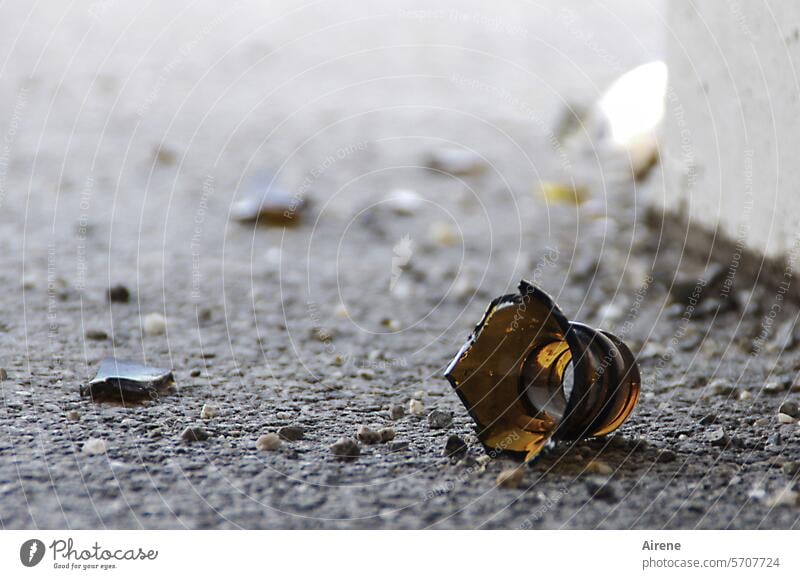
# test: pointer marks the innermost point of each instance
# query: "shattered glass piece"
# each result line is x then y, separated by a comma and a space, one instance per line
563, 193
125, 381
262, 201
457, 162
528, 375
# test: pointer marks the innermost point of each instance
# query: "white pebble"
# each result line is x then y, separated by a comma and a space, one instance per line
442, 233
404, 201
786, 419
208, 411
416, 407
269, 441
94, 446
155, 324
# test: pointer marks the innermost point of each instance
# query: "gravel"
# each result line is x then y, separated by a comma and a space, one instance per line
95, 446
440, 419
194, 434
270, 441
291, 433
367, 435
346, 449
455, 447
155, 324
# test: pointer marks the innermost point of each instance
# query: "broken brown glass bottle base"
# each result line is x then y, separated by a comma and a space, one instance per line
124, 381
527, 375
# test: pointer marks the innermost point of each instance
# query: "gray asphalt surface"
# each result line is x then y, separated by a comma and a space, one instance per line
129, 134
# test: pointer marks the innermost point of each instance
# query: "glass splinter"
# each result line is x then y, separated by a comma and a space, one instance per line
264, 202
528, 375
124, 381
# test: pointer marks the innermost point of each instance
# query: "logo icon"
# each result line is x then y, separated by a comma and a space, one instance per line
31, 553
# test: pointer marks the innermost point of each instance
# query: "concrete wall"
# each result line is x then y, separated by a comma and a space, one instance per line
731, 152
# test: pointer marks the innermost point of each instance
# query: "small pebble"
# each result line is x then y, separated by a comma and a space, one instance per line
790, 468
717, 437
785, 497
745, 395
73, 415
786, 419
208, 412
440, 419
396, 411
291, 433
94, 446
790, 408
398, 445
443, 234
3, 374
774, 388
455, 447
155, 324
404, 201
194, 434
387, 434
416, 407
346, 448
510, 478
269, 441
368, 436
599, 467
721, 387
118, 294
96, 335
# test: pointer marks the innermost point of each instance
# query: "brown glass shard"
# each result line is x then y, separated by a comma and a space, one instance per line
125, 381
528, 375
263, 202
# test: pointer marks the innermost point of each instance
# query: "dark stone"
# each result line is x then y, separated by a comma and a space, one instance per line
455, 447
291, 433
194, 434
791, 409
118, 294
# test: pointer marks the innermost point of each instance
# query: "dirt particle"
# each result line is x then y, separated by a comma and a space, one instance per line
368, 436
95, 446
291, 433
346, 449
269, 441
155, 324
208, 412
194, 434
416, 407
118, 294
440, 419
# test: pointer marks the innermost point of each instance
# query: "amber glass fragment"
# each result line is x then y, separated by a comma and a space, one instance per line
527, 374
